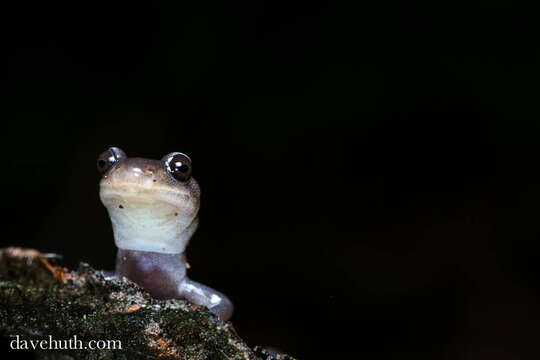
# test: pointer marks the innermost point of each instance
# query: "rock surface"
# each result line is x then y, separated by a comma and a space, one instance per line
39, 299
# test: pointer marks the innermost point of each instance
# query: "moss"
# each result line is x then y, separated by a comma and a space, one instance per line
38, 299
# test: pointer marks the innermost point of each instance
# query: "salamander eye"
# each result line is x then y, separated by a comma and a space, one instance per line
178, 166
108, 159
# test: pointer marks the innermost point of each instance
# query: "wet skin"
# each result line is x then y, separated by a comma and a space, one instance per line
153, 207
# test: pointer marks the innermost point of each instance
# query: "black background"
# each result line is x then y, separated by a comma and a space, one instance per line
369, 171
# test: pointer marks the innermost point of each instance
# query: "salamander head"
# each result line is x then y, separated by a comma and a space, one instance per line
152, 204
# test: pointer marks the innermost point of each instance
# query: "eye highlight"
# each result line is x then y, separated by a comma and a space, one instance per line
178, 166
107, 159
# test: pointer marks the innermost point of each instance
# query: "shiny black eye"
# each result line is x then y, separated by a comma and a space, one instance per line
108, 159
178, 165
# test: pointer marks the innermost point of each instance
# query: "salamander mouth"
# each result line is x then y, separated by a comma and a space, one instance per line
141, 196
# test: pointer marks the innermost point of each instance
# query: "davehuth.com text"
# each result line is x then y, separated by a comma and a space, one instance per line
70, 344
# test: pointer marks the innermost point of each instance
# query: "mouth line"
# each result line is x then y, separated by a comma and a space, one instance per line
143, 197
128, 188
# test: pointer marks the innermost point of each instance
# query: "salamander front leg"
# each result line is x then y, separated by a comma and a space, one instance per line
200, 294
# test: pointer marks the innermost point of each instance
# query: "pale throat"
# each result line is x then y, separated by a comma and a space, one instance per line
153, 226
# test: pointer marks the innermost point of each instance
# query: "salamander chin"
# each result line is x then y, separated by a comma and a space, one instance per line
153, 207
